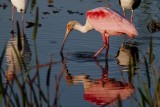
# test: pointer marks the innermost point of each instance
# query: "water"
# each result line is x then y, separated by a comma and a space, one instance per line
79, 49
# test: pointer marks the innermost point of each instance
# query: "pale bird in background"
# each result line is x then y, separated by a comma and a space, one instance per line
129, 5
21, 6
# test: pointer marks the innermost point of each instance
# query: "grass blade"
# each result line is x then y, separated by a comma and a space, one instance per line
19, 43
147, 72
48, 74
151, 50
36, 25
144, 98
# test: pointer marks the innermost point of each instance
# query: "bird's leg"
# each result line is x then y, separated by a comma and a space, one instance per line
12, 13
124, 12
103, 46
107, 44
103, 69
105, 38
106, 69
22, 24
132, 13
12, 31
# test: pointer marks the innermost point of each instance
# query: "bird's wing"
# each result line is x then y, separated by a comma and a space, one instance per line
105, 19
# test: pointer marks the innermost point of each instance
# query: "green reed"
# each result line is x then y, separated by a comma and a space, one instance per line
149, 89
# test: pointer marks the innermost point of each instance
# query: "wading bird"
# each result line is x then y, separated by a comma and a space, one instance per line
107, 22
129, 4
21, 6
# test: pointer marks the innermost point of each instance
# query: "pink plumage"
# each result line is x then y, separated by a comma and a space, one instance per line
107, 22
104, 19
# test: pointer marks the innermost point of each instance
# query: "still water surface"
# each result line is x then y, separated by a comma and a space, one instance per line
81, 84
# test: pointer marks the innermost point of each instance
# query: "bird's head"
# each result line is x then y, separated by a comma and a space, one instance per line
69, 28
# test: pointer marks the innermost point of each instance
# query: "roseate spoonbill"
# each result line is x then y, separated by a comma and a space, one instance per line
107, 22
21, 6
129, 4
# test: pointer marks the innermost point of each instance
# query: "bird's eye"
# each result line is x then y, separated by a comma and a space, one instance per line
68, 26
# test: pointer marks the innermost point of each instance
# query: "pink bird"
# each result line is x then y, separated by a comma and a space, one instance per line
107, 22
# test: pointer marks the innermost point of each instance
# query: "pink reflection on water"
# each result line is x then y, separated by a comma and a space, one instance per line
102, 91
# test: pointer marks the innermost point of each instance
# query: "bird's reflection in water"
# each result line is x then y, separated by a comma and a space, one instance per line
18, 54
102, 91
127, 56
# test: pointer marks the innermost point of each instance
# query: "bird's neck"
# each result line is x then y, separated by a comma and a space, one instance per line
87, 27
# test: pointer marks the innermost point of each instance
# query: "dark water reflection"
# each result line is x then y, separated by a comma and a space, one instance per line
84, 56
